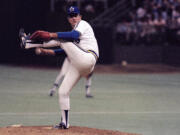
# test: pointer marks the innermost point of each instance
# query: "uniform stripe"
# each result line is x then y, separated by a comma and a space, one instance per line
88, 51
66, 117
93, 52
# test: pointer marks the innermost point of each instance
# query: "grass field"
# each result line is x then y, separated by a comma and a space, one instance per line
148, 104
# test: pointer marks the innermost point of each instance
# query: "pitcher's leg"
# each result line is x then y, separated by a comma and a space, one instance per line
51, 43
71, 78
88, 86
60, 77
63, 71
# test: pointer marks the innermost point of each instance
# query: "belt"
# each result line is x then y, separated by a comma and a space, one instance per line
94, 54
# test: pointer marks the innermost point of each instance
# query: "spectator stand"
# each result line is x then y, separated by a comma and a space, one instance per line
152, 23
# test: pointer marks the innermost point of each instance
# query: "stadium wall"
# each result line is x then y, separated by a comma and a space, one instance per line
147, 54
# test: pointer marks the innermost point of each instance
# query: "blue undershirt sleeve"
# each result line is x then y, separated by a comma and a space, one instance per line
58, 51
72, 35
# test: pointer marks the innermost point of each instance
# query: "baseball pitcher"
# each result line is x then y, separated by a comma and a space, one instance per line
82, 51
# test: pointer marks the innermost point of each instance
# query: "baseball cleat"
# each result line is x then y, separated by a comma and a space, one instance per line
61, 126
52, 92
23, 38
89, 96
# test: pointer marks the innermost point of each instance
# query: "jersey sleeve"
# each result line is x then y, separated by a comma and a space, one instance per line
81, 27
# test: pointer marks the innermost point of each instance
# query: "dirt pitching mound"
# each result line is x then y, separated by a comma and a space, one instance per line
48, 130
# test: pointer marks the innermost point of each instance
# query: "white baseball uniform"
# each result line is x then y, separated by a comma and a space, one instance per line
82, 59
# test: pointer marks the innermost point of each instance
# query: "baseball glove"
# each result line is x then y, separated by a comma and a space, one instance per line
40, 35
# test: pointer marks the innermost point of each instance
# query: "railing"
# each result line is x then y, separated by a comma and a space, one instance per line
111, 15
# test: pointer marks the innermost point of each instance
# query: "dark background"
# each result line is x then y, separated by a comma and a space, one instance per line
35, 15
31, 15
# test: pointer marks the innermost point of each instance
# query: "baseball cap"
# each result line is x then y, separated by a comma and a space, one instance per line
73, 10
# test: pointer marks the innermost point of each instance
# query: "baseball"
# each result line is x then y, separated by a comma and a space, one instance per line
38, 51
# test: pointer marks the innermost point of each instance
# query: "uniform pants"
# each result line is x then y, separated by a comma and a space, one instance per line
81, 63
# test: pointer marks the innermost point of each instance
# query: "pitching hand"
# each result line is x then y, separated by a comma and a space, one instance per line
41, 51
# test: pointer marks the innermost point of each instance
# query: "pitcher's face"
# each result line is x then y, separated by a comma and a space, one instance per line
74, 19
